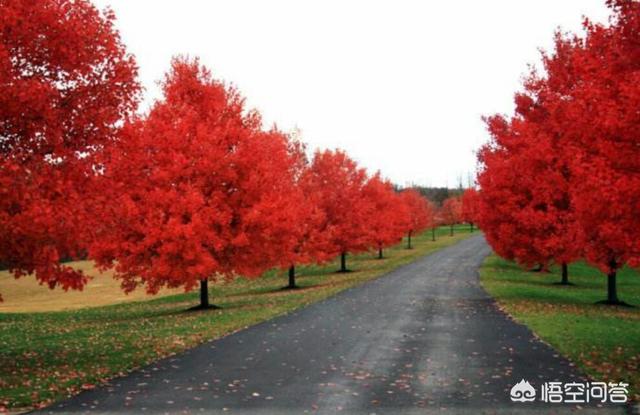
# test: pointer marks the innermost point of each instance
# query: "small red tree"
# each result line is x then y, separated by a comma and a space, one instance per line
470, 207
196, 192
388, 215
66, 83
419, 213
451, 212
337, 182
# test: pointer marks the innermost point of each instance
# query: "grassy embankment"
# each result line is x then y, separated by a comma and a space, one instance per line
602, 340
48, 355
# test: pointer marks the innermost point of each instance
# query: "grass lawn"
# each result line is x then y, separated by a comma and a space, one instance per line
603, 340
46, 356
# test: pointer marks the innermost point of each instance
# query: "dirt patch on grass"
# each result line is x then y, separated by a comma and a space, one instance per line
26, 295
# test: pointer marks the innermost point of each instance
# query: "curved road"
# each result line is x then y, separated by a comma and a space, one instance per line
424, 338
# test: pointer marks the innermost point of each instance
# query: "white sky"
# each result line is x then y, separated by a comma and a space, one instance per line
400, 85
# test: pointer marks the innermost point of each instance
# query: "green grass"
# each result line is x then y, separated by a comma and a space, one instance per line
603, 340
51, 355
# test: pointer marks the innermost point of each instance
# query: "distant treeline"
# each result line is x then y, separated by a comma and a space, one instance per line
438, 194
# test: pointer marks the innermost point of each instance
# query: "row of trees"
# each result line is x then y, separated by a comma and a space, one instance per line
560, 177
195, 190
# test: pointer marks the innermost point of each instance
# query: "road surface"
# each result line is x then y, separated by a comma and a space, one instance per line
424, 338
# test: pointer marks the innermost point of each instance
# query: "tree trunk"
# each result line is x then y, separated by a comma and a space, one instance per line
343, 262
204, 293
292, 277
565, 274
204, 297
409, 241
380, 253
433, 234
612, 290
451, 230
471, 227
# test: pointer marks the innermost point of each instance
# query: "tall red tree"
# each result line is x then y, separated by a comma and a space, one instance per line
337, 182
196, 191
66, 83
594, 82
420, 213
388, 215
574, 133
451, 212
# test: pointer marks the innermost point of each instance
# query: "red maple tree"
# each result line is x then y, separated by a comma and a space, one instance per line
311, 242
451, 212
419, 213
66, 83
562, 172
388, 214
525, 207
196, 191
593, 81
470, 207
337, 182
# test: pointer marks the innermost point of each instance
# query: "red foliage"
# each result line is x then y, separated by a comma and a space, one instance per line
388, 214
451, 211
196, 190
420, 212
337, 183
470, 201
525, 207
311, 242
603, 126
65, 84
560, 178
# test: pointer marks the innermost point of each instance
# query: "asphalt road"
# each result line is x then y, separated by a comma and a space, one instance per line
424, 338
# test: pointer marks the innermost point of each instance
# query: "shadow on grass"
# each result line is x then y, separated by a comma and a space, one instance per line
288, 288
563, 284
200, 307
608, 304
